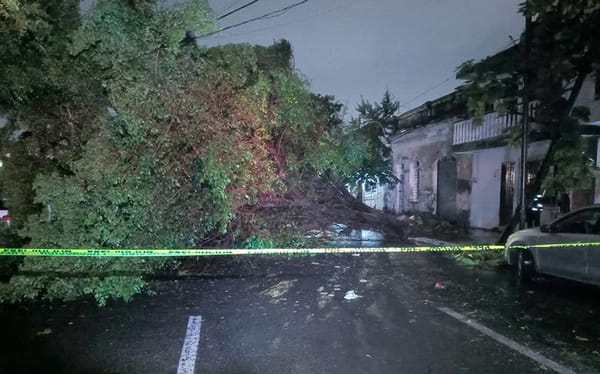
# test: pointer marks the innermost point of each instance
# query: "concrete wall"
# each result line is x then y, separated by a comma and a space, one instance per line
421, 148
374, 196
486, 179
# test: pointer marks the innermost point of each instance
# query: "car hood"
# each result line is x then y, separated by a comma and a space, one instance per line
528, 235
528, 232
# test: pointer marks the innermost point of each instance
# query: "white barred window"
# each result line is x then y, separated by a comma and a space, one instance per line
413, 178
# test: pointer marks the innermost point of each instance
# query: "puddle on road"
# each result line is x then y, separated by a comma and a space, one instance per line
345, 237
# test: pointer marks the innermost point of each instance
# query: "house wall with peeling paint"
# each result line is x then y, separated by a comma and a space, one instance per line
415, 158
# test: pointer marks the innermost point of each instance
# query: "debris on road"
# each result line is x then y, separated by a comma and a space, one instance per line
45, 331
351, 295
485, 260
427, 224
439, 286
331, 216
363, 281
279, 289
324, 297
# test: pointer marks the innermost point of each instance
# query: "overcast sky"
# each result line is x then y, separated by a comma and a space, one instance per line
360, 48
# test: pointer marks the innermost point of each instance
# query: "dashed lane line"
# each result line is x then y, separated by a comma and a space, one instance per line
187, 360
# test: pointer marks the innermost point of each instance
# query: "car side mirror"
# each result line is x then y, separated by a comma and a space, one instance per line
546, 228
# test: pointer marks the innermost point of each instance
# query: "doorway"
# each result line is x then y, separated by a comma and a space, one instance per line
507, 191
446, 189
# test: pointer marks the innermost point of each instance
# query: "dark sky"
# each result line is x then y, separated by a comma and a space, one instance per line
360, 48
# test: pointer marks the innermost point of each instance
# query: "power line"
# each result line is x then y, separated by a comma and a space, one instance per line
229, 7
512, 43
283, 24
428, 90
237, 9
272, 14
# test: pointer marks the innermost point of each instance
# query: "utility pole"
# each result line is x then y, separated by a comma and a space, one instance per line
526, 76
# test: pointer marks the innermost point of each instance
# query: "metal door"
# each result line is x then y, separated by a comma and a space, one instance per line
507, 189
446, 189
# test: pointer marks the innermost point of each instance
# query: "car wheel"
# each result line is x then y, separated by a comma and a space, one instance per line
525, 267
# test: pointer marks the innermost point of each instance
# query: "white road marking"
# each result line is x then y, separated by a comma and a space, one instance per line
508, 342
187, 360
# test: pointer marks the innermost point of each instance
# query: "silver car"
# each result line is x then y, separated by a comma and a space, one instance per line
575, 254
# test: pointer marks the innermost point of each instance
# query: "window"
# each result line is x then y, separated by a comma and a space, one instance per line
583, 222
414, 172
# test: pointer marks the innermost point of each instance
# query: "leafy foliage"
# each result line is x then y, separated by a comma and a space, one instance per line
33, 41
138, 138
255, 242
343, 153
377, 123
92, 175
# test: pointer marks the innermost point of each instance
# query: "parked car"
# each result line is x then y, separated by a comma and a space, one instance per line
577, 256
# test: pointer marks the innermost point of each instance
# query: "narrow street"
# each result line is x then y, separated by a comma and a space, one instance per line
195, 167
289, 315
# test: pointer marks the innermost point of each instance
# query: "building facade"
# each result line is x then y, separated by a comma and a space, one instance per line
468, 173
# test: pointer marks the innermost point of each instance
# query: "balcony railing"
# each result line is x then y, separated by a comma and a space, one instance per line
492, 126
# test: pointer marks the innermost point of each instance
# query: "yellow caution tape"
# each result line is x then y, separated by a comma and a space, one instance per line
150, 252
85, 252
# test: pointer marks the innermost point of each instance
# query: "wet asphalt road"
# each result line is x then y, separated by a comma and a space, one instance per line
289, 315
